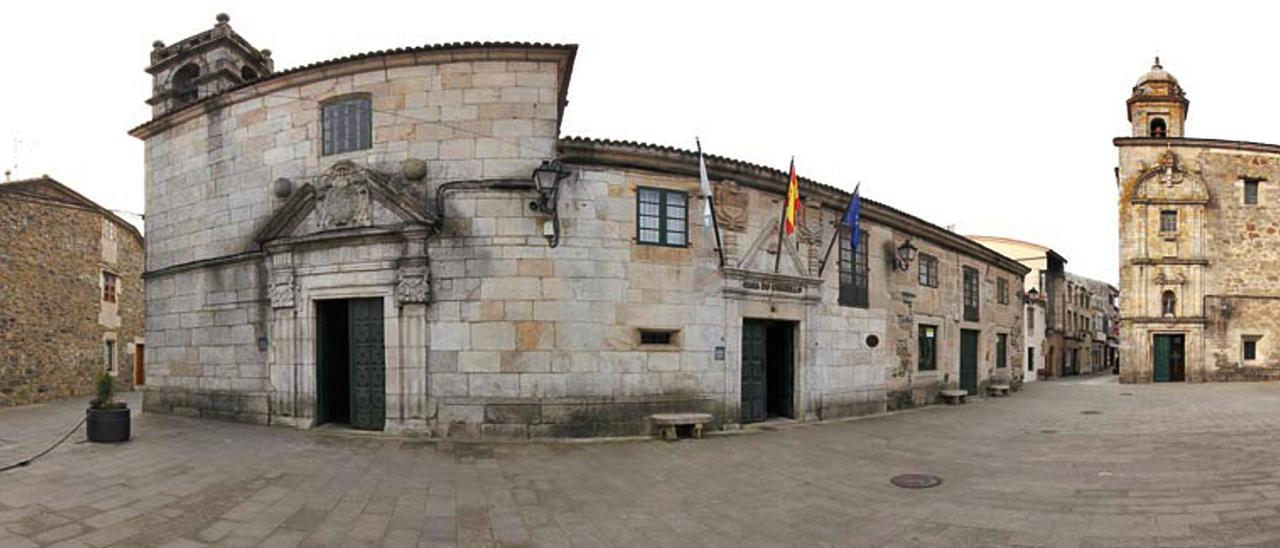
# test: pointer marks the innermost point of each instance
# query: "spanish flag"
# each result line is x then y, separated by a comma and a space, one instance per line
793, 201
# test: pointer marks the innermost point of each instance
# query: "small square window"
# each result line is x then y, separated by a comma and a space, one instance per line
1251, 192
1168, 221
1250, 349
347, 125
662, 217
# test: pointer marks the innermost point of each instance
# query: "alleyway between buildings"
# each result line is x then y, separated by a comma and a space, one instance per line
1069, 463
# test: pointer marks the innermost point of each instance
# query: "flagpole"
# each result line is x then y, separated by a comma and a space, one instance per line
823, 266
711, 204
782, 221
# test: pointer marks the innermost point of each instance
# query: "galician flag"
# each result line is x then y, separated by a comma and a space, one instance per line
793, 201
853, 216
705, 187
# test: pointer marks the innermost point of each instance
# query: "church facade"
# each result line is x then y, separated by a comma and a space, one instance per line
402, 241
1198, 235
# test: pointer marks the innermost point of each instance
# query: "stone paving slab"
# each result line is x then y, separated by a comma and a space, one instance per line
1158, 465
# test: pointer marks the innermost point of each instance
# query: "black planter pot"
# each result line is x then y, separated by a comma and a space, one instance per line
107, 425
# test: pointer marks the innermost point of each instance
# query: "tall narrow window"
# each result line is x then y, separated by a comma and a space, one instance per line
1031, 319
970, 294
661, 217
1002, 291
109, 356
1168, 303
854, 283
109, 282
1002, 350
347, 125
1031, 358
1168, 221
1251, 192
928, 270
927, 346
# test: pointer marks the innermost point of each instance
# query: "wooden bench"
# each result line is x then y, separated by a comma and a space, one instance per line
666, 423
955, 396
998, 390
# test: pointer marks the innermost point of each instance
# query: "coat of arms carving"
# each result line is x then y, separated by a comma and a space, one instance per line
342, 196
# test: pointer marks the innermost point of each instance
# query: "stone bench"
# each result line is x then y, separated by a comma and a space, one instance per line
998, 390
666, 423
954, 397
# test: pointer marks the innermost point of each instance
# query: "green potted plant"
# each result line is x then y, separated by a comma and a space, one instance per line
106, 420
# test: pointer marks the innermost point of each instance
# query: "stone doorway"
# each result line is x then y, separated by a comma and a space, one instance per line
350, 363
768, 369
1168, 358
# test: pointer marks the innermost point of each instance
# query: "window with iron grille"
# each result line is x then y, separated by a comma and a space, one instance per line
347, 125
109, 282
854, 284
662, 217
1251, 192
927, 356
970, 294
928, 270
1168, 221
1002, 291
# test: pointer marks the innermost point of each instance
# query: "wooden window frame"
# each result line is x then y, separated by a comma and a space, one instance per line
1002, 290
971, 286
1168, 221
928, 275
363, 130
664, 232
1002, 350
110, 287
854, 268
931, 363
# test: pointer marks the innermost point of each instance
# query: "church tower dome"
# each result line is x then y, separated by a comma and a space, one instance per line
1158, 106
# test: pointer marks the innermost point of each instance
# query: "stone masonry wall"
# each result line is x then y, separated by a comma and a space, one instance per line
51, 259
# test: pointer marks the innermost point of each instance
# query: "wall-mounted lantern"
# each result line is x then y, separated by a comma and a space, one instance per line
546, 180
906, 254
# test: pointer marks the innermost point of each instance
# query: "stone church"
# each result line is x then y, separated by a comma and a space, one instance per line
1198, 247
401, 240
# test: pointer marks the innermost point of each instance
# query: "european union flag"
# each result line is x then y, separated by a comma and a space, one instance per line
852, 216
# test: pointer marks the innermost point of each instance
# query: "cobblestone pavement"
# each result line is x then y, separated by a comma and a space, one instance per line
1157, 465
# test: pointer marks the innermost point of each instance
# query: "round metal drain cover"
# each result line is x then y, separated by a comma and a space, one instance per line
916, 481
1091, 412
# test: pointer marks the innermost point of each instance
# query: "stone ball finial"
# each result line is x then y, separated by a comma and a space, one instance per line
266, 53
282, 187
413, 169
158, 44
223, 18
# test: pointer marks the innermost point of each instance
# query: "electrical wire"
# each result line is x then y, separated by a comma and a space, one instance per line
27, 462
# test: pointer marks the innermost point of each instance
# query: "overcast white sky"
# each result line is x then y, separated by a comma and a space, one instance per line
994, 117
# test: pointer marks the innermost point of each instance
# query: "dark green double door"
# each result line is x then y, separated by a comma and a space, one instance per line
969, 360
768, 369
1168, 358
351, 363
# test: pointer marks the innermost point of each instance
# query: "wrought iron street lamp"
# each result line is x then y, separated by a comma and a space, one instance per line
906, 254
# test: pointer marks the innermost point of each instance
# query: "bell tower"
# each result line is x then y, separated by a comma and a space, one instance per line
203, 65
1158, 106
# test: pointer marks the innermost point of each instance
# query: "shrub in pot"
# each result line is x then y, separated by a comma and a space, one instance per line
106, 420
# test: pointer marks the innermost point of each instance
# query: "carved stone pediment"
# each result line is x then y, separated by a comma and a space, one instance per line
347, 196
1170, 180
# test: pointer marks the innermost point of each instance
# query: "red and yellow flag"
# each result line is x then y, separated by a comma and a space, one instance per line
793, 201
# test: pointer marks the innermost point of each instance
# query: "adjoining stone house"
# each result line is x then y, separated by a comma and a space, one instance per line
1198, 247
1095, 310
1045, 285
364, 241
71, 297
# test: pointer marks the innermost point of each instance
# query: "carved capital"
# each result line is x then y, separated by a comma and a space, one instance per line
414, 286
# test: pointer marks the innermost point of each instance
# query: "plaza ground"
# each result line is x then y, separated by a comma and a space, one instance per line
1084, 462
